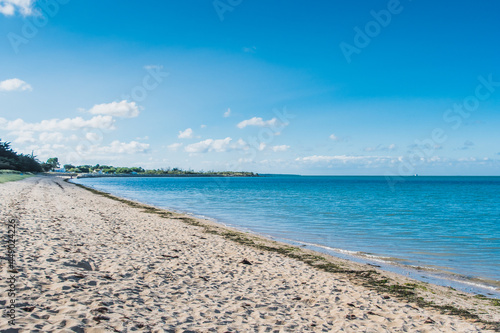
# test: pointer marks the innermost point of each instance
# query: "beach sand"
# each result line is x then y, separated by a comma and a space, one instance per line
89, 263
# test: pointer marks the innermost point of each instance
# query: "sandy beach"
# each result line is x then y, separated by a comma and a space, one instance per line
90, 263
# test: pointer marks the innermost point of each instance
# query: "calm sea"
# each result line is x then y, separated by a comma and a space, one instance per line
444, 230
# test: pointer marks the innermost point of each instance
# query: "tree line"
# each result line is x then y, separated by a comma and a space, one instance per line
11, 160
110, 170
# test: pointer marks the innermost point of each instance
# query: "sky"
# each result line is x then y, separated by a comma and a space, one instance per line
302, 87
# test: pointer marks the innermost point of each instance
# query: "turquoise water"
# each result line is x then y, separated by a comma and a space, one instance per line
448, 226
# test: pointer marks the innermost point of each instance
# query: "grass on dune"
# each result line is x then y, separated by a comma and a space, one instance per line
10, 176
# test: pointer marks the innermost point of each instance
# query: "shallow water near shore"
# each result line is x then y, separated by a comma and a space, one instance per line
448, 228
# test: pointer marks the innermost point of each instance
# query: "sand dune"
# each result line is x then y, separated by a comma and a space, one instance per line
87, 263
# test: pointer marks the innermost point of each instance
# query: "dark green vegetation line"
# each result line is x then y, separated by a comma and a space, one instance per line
11, 160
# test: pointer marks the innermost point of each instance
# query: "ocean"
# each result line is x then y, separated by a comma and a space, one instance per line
443, 230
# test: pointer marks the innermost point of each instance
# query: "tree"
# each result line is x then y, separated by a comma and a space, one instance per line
123, 170
8, 158
84, 168
46, 167
11, 160
28, 163
53, 162
109, 170
68, 167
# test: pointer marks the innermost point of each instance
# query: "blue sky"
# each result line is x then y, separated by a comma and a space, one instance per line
365, 87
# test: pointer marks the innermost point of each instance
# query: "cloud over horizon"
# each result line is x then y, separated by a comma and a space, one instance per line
117, 147
9, 7
259, 122
121, 109
344, 159
186, 134
174, 146
67, 124
390, 147
209, 145
15, 85
280, 148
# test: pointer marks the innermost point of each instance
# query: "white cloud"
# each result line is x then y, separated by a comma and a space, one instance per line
153, 67
203, 126
84, 150
23, 136
345, 159
101, 122
280, 148
425, 147
467, 159
199, 147
186, 134
241, 144
220, 145
14, 85
117, 147
391, 147
258, 121
93, 137
334, 137
227, 113
245, 160
9, 7
174, 146
46, 137
43, 151
118, 109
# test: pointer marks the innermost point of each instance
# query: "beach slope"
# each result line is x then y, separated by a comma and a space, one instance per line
87, 262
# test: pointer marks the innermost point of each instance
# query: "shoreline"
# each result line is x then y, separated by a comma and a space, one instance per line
474, 286
397, 274
363, 287
435, 276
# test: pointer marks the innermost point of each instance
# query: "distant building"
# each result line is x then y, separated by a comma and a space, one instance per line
59, 170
